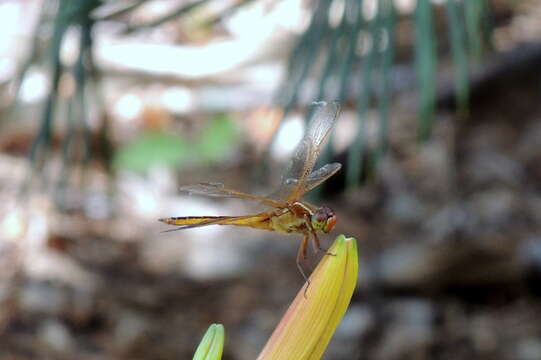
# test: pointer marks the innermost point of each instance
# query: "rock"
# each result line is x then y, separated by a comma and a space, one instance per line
55, 336
529, 349
130, 329
446, 221
410, 330
487, 167
494, 208
482, 329
403, 265
405, 208
43, 298
530, 253
357, 320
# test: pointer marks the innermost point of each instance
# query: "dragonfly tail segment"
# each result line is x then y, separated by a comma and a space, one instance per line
255, 221
190, 220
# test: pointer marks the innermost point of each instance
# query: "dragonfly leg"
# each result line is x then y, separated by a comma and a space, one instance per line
301, 255
317, 246
315, 239
315, 243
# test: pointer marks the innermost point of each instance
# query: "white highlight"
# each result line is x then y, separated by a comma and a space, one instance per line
128, 107
289, 135
34, 87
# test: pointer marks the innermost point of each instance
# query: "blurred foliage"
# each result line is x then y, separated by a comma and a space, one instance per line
151, 149
65, 15
214, 143
457, 40
349, 53
358, 53
425, 62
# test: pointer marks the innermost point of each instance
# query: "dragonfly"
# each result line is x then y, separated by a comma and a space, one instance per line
288, 213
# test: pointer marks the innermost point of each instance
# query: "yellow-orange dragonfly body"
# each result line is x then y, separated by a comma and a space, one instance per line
289, 214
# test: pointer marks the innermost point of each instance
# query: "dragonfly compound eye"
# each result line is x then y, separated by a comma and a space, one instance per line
323, 219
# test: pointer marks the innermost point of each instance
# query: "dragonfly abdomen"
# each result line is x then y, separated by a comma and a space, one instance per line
186, 222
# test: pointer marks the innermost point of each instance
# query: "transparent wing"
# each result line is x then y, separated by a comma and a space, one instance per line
307, 152
218, 190
313, 180
321, 175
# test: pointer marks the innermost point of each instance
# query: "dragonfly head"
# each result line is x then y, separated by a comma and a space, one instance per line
323, 219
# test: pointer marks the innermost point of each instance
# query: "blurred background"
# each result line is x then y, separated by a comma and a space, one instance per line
107, 107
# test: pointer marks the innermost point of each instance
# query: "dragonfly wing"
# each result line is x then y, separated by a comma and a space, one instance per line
321, 175
313, 180
285, 189
218, 190
308, 150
